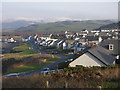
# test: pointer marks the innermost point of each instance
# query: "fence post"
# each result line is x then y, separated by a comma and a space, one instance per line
47, 84
66, 85
99, 87
44, 74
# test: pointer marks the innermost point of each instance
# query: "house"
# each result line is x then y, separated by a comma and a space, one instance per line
85, 31
96, 39
96, 56
25, 39
56, 43
52, 43
60, 44
112, 45
10, 40
95, 31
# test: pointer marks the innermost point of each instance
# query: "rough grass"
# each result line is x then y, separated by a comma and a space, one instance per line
22, 50
23, 67
74, 79
26, 59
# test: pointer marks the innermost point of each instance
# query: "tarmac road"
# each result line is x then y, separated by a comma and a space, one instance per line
52, 66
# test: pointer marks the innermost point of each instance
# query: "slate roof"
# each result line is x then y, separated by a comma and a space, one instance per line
102, 54
92, 38
115, 42
62, 42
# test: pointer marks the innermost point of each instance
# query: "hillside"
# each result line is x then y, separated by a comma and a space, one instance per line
65, 25
110, 26
12, 25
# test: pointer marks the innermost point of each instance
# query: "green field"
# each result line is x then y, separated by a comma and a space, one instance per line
25, 53
30, 67
24, 49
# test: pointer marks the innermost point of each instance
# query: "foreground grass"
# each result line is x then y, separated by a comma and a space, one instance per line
111, 84
92, 78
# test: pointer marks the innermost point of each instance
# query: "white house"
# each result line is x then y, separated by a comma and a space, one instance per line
97, 56
11, 40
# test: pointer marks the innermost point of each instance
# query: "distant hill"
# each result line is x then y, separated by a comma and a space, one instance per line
65, 25
109, 26
12, 25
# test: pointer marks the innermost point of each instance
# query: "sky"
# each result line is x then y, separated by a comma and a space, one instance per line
56, 11
60, 0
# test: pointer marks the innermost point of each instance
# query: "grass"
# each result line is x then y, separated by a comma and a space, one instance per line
30, 67
77, 79
28, 59
111, 84
69, 54
62, 26
23, 50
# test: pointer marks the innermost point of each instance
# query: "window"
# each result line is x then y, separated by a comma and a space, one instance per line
111, 46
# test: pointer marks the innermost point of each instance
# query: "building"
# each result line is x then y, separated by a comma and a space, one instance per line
96, 56
10, 40
112, 45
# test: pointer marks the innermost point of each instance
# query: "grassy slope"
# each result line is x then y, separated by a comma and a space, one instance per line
26, 51
63, 26
33, 66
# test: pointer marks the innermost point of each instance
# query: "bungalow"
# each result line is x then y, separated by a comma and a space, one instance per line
11, 40
60, 44
56, 43
25, 39
85, 31
96, 56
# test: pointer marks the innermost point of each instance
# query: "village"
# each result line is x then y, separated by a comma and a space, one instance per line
61, 44
95, 48
86, 49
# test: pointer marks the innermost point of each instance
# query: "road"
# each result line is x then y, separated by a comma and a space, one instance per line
52, 66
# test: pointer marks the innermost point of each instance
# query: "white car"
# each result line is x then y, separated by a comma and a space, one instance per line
70, 59
45, 70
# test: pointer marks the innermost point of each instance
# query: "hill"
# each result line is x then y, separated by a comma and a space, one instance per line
65, 25
12, 25
110, 26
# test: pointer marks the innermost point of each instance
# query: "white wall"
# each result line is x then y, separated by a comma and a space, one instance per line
86, 60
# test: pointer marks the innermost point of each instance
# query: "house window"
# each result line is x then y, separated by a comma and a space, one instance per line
111, 46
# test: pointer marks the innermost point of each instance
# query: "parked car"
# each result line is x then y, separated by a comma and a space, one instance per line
45, 70
70, 59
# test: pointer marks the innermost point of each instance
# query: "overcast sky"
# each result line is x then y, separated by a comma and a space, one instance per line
59, 10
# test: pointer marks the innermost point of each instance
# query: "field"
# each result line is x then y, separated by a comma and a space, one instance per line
24, 58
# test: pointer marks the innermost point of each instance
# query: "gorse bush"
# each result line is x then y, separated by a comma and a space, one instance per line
74, 79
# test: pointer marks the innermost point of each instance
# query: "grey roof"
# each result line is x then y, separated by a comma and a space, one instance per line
92, 38
115, 42
62, 42
58, 41
102, 54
